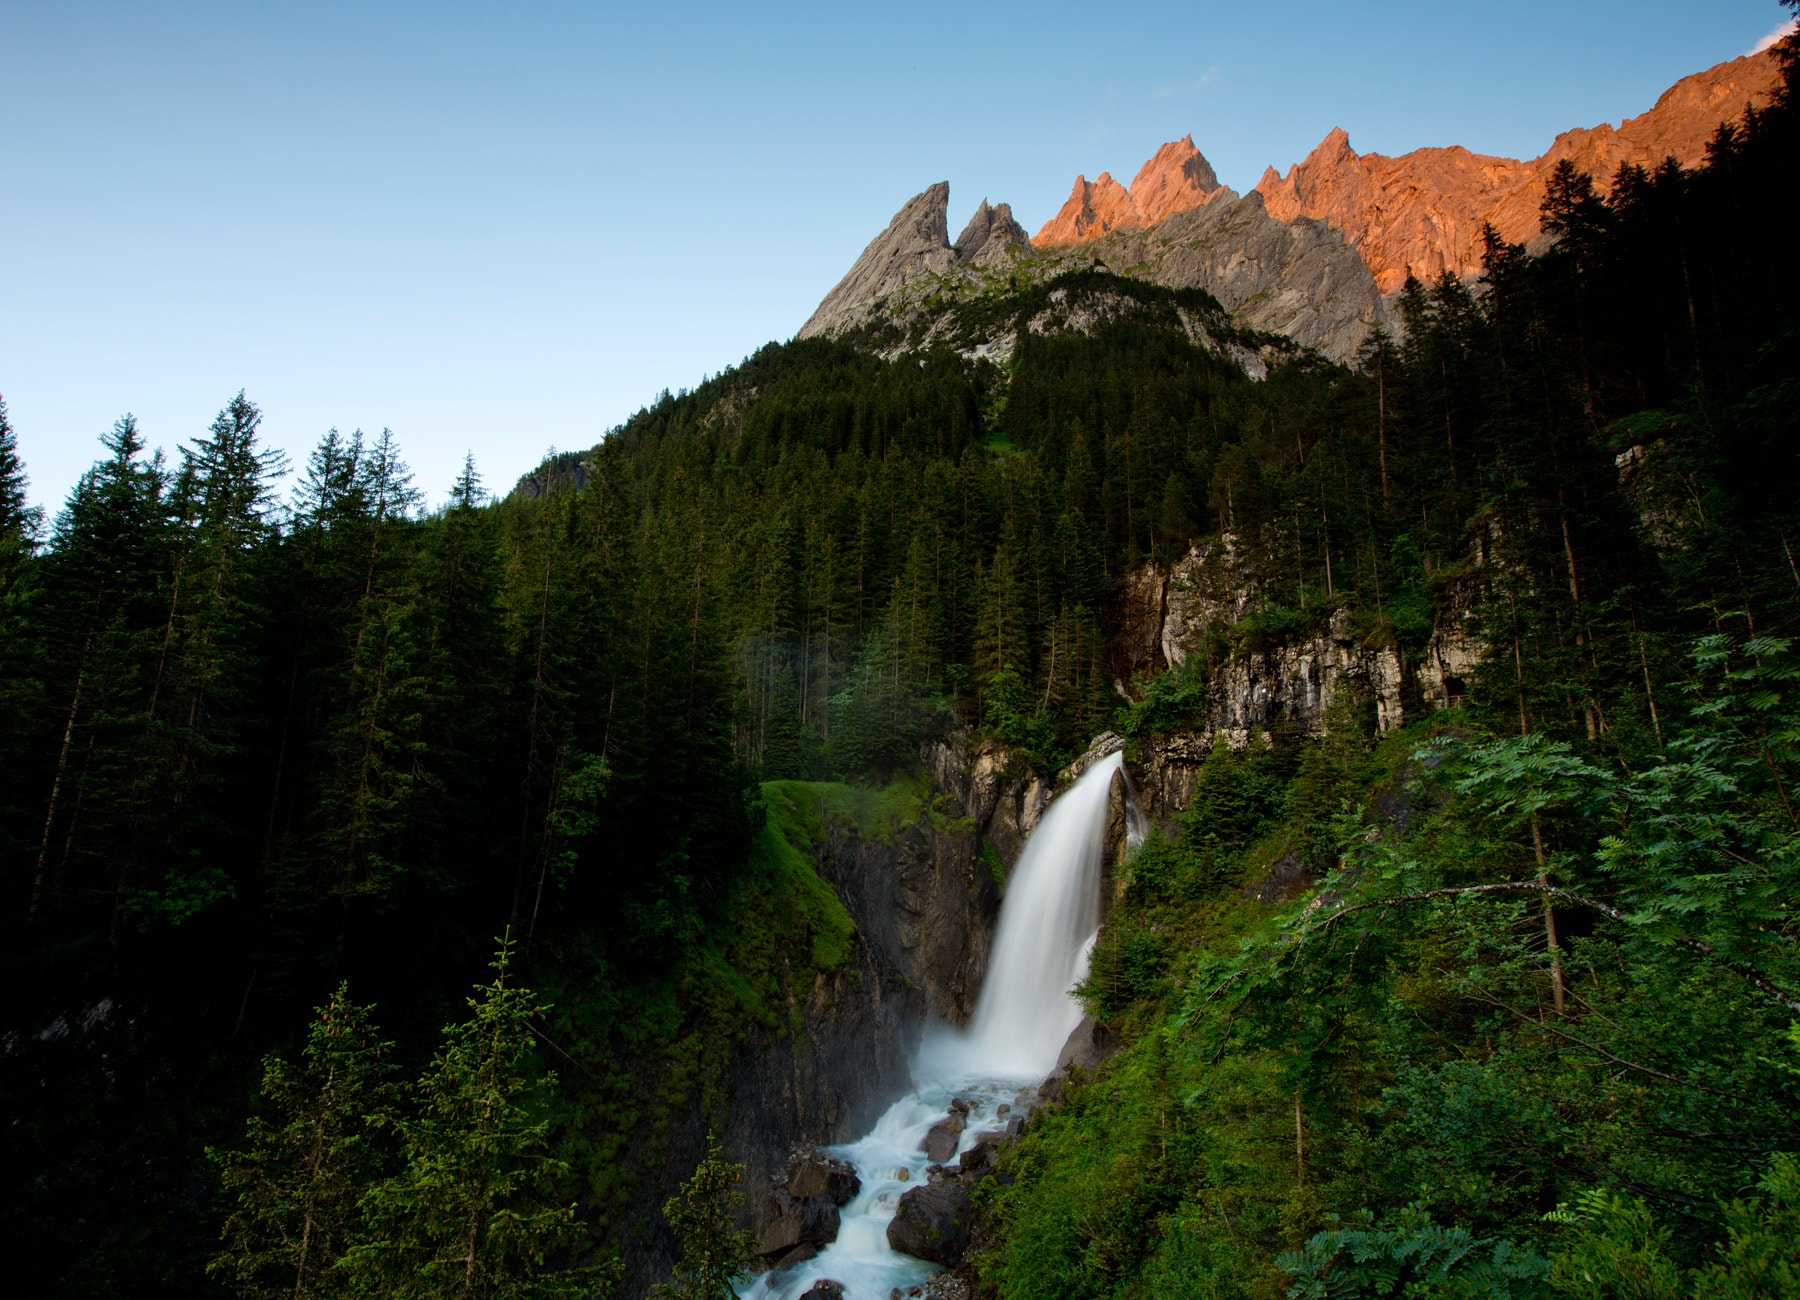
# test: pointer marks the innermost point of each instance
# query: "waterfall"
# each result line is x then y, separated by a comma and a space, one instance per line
1048, 922
1047, 928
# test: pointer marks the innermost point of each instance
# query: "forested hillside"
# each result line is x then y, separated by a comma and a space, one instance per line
274, 733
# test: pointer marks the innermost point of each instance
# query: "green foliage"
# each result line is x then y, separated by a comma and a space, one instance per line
348, 1191
298, 1183
1760, 1258
1412, 1256
473, 1209
1168, 701
1615, 1250
715, 1252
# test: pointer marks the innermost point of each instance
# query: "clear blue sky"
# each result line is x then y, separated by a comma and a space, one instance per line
503, 227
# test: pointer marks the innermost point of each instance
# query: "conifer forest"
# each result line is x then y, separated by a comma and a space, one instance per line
395, 883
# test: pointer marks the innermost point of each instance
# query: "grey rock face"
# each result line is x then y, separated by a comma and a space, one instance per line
1166, 614
990, 236
1295, 278
926, 902
811, 1220
917, 240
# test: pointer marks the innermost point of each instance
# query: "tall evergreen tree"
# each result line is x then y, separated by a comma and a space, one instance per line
475, 1211
298, 1182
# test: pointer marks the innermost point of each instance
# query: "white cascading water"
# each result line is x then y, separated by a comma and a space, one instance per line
1048, 922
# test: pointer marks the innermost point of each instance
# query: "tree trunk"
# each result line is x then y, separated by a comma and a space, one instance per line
62, 767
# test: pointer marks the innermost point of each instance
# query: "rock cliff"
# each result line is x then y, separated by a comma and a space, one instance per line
915, 247
1195, 606
1425, 210
1177, 178
1296, 278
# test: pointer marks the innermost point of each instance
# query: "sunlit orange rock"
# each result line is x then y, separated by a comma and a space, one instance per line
1176, 178
1425, 210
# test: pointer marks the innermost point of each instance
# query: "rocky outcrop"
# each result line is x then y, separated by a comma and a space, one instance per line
916, 241
1177, 178
933, 1222
802, 1209
1297, 278
1425, 210
1202, 605
990, 238
1000, 794
913, 253
1294, 278
1093, 208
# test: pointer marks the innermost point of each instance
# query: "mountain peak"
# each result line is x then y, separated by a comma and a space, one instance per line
991, 232
917, 240
1176, 178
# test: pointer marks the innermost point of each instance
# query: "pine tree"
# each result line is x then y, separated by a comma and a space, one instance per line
19, 520
474, 1212
298, 1181
21, 666
105, 564
203, 685
715, 1252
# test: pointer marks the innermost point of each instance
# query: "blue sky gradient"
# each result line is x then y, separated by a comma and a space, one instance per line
502, 228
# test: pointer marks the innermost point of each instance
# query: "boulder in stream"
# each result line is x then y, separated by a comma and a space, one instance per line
810, 1220
933, 1223
824, 1289
812, 1173
941, 1141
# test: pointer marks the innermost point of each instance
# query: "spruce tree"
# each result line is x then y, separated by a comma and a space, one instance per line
298, 1181
715, 1252
474, 1211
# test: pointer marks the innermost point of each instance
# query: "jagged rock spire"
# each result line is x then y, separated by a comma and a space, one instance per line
917, 239
991, 232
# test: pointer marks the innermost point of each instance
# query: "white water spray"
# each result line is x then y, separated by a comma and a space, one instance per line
1048, 922
1047, 928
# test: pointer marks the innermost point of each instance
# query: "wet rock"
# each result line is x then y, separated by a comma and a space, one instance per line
941, 1142
933, 1223
811, 1173
795, 1257
812, 1219
824, 1289
903, 1173
988, 1146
